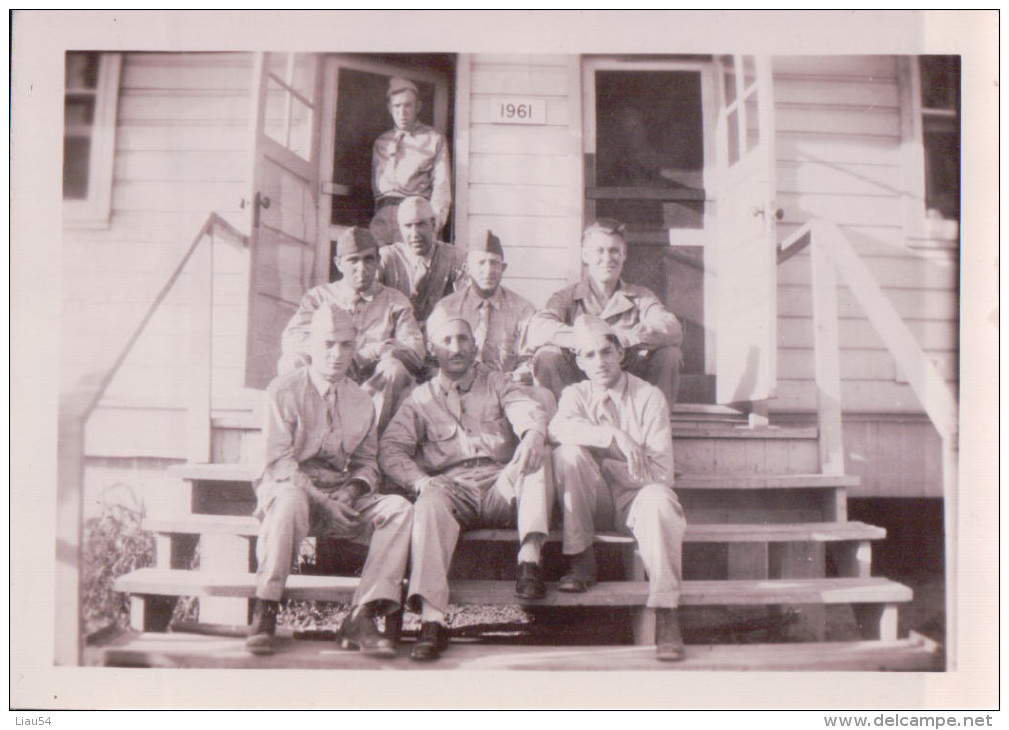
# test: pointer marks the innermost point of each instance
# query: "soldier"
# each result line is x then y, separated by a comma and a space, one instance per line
650, 335
614, 470
470, 444
422, 268
410, 159
390, 345
321, 478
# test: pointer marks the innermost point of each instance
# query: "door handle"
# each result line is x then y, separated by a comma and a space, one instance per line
760, 212
261, 201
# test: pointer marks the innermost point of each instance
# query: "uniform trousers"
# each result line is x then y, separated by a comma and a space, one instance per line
597, 493
555, 368
486, 494
288, 517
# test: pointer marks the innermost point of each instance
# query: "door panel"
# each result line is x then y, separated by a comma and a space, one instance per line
282, 202
746, 267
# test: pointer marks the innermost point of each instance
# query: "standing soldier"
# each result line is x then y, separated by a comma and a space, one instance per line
470, 443
390, 345
321, 478
410, 159
614, 470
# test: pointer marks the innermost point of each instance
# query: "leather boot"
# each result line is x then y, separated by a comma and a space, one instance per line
582, 574
359, 633
264, 627
668, 640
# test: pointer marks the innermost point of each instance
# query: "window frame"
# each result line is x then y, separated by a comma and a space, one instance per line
920, 230
94, 210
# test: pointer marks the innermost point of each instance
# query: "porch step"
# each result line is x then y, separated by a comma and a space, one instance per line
249, 472
714, 533
160, 582
916, 653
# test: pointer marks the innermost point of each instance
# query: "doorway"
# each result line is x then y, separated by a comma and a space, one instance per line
649, 159
354, 115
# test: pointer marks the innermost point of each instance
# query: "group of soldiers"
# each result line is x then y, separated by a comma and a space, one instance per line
417, 398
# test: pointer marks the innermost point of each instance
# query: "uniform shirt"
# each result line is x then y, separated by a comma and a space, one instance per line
413, 163
636, 315
429, 434
382, 316
506, 314
424, 282
588, 414
302, 424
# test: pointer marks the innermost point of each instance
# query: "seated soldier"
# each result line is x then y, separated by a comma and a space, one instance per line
614, 470
650, 335
422, 268
321, 477
470, 444
390, 345
497, 314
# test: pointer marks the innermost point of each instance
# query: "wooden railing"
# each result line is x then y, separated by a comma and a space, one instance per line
76, 407
833, 258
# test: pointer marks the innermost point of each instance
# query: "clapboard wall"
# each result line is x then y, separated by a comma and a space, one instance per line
522, 181
181, 152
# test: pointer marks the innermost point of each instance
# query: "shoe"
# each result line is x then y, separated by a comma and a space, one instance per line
529, 585
359, 633
432, 641
668, 640
582, 574
263, 629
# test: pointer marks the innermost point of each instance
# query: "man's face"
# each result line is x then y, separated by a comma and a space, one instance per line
418, 233
404, 108
601, 361
359, 269
485, 268
332, 352
454, 348
604, 254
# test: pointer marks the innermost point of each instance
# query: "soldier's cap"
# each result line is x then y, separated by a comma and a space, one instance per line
355, 240
588, 328
398, 84
329, 319
415, 208
489, 243
441, 318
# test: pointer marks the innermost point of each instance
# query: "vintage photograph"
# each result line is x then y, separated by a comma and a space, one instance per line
459, 359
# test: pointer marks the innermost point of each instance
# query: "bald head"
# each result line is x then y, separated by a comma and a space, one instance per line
417, 224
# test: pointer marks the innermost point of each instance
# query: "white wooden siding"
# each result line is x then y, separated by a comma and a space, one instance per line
523, 182
181, 153
840, 158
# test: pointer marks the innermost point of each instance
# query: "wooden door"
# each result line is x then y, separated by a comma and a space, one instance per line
745, 263
282, 201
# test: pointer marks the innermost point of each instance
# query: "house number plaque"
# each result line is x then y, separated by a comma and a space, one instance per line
518, 110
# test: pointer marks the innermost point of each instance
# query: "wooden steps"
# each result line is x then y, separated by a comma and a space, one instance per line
803, 532
914, 654
157, 583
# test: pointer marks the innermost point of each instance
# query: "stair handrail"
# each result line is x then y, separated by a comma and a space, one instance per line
75, 409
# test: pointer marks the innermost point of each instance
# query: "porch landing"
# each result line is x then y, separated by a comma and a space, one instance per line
177, 650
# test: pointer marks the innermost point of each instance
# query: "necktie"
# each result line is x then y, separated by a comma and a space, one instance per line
606, 411
419, 273
482, 328
397, 142
454, 401
333, 442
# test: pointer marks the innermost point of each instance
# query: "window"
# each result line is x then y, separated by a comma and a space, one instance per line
940, 112
89, 125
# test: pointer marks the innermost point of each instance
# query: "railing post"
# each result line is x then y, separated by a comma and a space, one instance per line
826, 356
201, 288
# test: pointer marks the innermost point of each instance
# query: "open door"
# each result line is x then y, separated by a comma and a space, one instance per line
745, 262
283, 201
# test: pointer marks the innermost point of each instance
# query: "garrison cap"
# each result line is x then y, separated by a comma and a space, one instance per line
440, 318
398, 84
587, 330
355, 240
489, 243
330, 319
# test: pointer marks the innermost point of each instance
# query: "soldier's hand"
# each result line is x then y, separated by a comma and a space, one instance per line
633, 453
529, 454
342, 514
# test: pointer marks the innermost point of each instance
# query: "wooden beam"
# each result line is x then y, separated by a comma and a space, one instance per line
201, 289
826, 357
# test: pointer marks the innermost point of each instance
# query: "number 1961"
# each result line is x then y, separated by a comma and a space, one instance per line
516, 111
